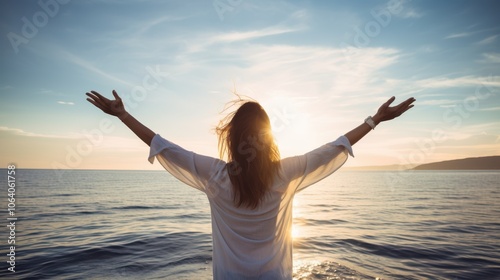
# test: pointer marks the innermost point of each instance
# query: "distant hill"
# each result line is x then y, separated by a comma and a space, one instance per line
478, 163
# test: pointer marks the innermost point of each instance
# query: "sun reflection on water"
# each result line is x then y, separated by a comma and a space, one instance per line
296, 213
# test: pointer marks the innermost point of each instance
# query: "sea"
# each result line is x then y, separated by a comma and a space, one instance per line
105, 224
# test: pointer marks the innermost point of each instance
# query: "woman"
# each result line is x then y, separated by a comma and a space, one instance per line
251, 194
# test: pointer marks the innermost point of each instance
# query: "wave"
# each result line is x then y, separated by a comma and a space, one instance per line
459, 263
66, 194
315, 222
328, 270
125, 254
142, 207
54, 215
395, 251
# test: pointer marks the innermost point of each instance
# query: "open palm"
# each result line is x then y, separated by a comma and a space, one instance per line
386, 113
112, 107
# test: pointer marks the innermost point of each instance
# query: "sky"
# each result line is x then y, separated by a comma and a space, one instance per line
319, 68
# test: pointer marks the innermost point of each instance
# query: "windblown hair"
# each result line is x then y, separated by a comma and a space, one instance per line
252, 155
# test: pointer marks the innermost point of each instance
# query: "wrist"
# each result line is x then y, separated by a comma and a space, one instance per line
377, 119
123, 116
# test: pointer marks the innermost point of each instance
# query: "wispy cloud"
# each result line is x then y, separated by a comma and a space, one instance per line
20, 132
479, 128
208, 39
327, 66
46, 91
65, 103
490, 109
110, 143
491, 81
146, 26
293, 22
50, 92
338, 84
470, 33
254, 34
410, 13
458, 35
438, 102
490, 58
487, 40
68, 56
428, 48
407, 11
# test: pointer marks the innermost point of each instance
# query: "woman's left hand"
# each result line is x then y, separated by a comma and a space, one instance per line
111, 107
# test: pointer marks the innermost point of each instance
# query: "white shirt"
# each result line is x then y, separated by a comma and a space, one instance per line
250, 243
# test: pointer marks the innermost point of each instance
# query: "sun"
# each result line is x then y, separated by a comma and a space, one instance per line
295, 139
291, 125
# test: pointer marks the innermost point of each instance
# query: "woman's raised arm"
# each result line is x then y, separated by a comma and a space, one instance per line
384, 113
117, 109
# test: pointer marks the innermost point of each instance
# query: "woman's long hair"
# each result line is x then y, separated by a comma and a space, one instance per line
253, 157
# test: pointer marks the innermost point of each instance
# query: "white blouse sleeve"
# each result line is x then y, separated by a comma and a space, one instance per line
305, 170
189, 167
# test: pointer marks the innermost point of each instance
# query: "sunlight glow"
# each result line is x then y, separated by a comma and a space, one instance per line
290, 124
295, 231
296, 213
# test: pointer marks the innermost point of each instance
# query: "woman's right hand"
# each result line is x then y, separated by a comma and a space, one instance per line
386, 113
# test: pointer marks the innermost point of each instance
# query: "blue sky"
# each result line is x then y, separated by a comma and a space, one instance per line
318, 67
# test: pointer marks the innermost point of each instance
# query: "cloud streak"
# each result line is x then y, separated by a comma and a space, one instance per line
20, 132
488, 40
68, 56
490, 81
250, 35
65, 103
490, 58
458, 35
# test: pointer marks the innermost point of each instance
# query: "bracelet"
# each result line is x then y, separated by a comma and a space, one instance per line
370, 122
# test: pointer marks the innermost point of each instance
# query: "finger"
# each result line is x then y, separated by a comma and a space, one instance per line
409, 101
93, 97
100, 96
388, 102
115, 94
403, 109
97, 104
96, 99
403, 105
92, 101
409, 107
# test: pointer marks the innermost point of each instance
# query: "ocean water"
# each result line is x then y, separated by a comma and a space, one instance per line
353, 225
